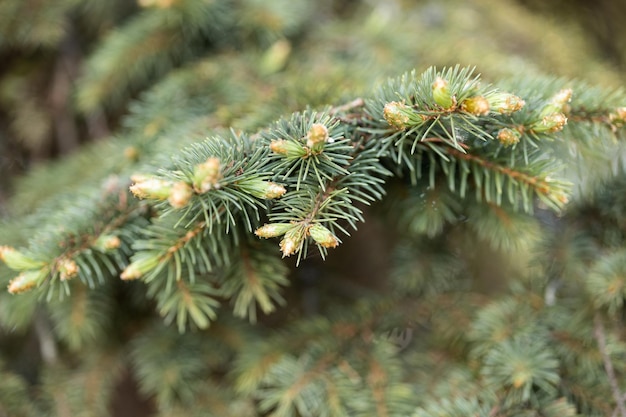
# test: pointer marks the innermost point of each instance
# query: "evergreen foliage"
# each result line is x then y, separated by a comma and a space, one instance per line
289, 221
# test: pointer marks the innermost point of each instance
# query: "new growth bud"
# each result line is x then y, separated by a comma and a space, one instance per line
262, 189
477, 105
395, 113
505, 103
274, 190
180, 195
292, 241
273, 230
323, 236
441, 94
509, 137
206, 175
550, 124
557, 103
106, 243
150, 187
139, 267
17, 260
288, 147
27, 280
317, 137
68, 269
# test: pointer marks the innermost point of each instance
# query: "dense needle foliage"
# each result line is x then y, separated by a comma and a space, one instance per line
301, 209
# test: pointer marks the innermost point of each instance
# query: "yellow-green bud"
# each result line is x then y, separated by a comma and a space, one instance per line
274, 190
27, 280
262, 189
505, 103
106, 243
441, 94
206, 175
139, 267
551, 123
150, 187
557, 103
68, 269
292, 241
509, 137
395, 113
323, 236
180, 195
477, 105
17, 260
287, 147
317, 137
273, 230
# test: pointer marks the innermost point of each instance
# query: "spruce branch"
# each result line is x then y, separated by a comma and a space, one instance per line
309, 173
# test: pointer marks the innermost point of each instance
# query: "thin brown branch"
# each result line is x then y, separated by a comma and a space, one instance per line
358, 102
598, 330
539, 184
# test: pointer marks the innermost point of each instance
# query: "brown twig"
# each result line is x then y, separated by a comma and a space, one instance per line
358, 102
598, 330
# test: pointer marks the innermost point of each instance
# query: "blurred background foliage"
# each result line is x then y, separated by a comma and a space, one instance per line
90, 88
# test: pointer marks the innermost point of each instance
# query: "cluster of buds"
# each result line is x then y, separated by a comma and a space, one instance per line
67, 268
441, 94
505, 103
296, 233
261, 189
316, 139
509, 137
206, 176
477, 105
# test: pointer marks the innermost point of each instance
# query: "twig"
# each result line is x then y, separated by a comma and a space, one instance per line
359, 102
598, 328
